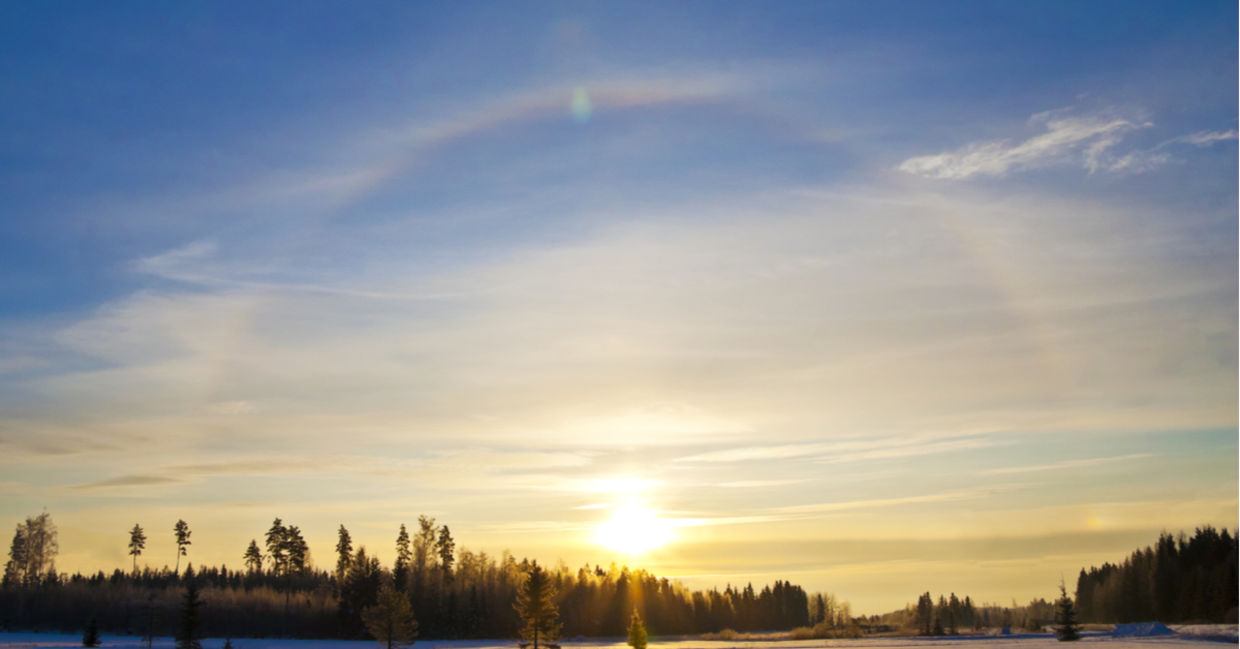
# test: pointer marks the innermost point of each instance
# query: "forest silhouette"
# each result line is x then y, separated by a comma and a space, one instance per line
457, 593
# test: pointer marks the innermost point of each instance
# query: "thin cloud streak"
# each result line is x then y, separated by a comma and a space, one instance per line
1067, 464
848, 450
947, 496
130, 481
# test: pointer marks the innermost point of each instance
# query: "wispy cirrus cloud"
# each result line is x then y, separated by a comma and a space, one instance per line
752, 453
1068, 139
848, 450
1067, 464
868, 504
130, 481
1203, 138
1087, 141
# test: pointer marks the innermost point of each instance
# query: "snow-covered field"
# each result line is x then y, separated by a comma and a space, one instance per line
65, 641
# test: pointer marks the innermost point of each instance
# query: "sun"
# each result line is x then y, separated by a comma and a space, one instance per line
633, 529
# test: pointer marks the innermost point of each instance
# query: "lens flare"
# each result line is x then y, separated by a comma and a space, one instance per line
581, 105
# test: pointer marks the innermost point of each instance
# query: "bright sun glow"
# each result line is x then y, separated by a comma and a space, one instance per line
633, 529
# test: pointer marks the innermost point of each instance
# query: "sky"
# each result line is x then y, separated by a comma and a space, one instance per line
879, 298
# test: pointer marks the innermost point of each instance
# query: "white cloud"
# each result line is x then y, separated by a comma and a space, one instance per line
1086, 141
1204, 138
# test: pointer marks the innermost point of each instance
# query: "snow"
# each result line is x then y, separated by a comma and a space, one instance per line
1140, 630
1096, 641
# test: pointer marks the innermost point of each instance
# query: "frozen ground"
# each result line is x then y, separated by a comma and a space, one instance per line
67, 641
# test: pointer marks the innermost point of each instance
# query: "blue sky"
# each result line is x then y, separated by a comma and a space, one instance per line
841, 273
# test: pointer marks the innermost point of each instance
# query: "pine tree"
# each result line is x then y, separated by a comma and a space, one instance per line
276, 545
296, 550
637, 632
90, 636
187, 636
181, 530
390, 619
137, 543
536, 606
1066, 628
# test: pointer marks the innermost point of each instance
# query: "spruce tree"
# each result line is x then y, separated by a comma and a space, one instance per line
148, 631
253, 557
90, 636
445, 547
15, 569
404, 556
1066, 628
390, 619
344, 554
637, 632
187, 636
540, 623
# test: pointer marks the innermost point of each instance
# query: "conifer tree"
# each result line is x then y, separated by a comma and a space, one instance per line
390, 619
15, 569
359, 590
297, 552
404, 555
181, 531
90, 636
187, 635
253, 557
445, 547
1066, 628
925, 613
148, 632
276, 545
137, 543
540, 618
344, 553
637, 631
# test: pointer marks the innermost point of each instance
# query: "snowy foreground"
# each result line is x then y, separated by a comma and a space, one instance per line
66, 641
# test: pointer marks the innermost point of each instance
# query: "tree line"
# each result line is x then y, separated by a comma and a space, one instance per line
1179, 579
953, 615
453, 592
